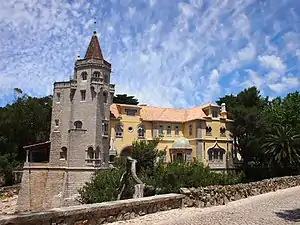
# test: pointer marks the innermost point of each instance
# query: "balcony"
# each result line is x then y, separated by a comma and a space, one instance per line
97, 80
93, 162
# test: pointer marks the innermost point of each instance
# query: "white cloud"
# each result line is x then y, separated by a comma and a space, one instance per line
285, 84
248, 53
167, 53
272, 62
254, 79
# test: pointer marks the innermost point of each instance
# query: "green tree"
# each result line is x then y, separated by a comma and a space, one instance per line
247, 127
146, 153
125, 99
25, 121
284, 111
282, 146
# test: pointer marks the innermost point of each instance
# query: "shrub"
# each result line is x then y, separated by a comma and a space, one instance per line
171, 177
103, 187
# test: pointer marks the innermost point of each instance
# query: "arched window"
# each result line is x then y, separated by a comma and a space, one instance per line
190, 130
119, 130
84, 75
141, 131
97, 153
105, 97
78, 124
105, 127
90, 153
177, 131
106, 79
222, 131
93, 92
216, 155
96, 74
208, 131
63, 153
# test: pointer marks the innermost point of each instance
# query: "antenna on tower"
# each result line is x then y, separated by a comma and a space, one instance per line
95, 26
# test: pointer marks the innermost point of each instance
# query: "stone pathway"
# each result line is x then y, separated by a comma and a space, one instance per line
276, 208
8, 204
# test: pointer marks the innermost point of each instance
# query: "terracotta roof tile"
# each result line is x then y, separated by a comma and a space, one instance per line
151, 113
94, 50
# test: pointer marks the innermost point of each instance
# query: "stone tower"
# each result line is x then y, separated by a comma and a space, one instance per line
79, 138
81, 113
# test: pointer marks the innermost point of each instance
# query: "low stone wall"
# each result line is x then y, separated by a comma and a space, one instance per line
15, 188
220, 195
94, 214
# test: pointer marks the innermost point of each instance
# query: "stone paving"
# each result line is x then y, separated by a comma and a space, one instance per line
276, 208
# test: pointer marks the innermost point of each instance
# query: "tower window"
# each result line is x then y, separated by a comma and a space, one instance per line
96, 74
83, 95
78, 124
84, 75
105, 127
56, 123
63, 153
106, 79
90, 153
105, 97
58, 97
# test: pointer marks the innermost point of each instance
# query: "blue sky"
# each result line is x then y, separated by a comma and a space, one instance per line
168, 53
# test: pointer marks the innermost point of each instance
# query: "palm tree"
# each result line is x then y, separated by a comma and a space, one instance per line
282, 146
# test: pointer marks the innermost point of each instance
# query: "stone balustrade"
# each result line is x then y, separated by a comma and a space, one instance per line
220, 195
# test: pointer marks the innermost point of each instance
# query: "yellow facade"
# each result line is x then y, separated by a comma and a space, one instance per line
195, 130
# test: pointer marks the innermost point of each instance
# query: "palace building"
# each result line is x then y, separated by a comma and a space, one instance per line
88, 131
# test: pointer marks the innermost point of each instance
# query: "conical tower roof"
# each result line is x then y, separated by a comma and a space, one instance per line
94, 50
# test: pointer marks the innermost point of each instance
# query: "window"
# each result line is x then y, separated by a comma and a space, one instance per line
141, 131
105, 127
105, 97
93, 92
58, 97
168, 130
83, 94
130, 129
63, 153
177, 131
97, 153
216, 155
215, 113
96, 74
84, 75
119, 130
208, 131
222, 131
90, 153
72, 93
106, 79
130, 112
112, 158
161, 130
78, 124
56, 123
190, 130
